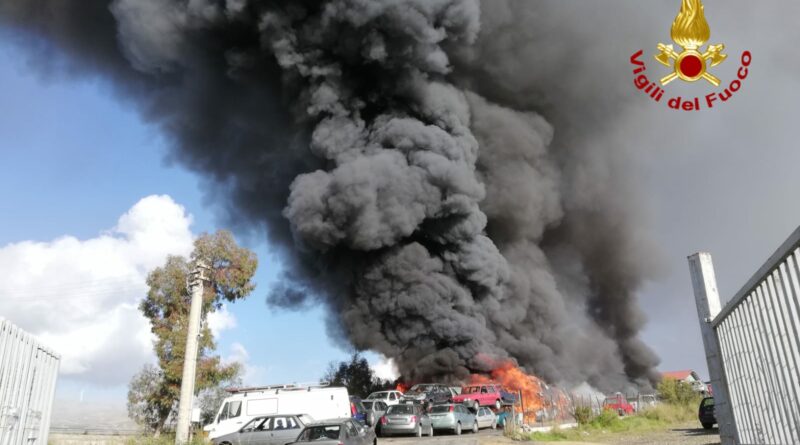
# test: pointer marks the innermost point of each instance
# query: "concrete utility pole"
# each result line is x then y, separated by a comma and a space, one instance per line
196, 280
706, 296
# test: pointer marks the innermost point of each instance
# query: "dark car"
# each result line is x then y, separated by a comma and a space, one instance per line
428, 394
337, 432
706, 413
357, 410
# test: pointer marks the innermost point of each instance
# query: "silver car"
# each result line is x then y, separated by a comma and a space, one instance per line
405, 419
454, 417
486, 418
267, 430
375, 410
337, 432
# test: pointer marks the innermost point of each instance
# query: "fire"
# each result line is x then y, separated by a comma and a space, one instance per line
539, 401
690, 28
402, 387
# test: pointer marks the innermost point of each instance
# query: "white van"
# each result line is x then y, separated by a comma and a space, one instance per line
317, 401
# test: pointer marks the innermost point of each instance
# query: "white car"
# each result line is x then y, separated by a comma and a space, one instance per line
388, 397
486, 418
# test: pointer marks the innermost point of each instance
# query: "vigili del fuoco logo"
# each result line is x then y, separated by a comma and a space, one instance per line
693, 63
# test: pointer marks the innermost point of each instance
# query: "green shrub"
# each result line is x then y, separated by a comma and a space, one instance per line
676, 392
582, 414
606, 419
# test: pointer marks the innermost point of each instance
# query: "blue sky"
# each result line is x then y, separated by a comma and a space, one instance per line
74, 160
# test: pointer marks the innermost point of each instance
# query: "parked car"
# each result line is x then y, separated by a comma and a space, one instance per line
357, 410
245, 404
267, 430
388, 397
375, 410
501, 418
486, 418
406, 419
336, 432
454, 417
476, 396
618, 403
706, 413
428, 394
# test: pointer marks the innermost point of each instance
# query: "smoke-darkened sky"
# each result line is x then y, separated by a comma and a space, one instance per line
639, 186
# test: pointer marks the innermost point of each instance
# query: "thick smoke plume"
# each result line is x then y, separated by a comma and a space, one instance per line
398, 158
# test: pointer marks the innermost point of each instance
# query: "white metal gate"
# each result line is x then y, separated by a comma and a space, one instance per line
752, 348
28, 374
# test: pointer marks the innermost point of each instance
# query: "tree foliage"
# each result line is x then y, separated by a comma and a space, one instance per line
210, 399
230, 271
677, 392
356, 376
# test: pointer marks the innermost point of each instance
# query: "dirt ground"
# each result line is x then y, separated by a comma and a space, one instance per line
687, 434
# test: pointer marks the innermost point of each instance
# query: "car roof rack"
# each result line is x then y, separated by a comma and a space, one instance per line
284, 386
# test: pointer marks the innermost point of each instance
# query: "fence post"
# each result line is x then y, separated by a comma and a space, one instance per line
708, 304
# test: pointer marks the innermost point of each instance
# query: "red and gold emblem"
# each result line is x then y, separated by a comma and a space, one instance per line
690, 30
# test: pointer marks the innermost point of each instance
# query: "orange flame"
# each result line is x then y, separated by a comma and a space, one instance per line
539, 401
690, 28
402, 387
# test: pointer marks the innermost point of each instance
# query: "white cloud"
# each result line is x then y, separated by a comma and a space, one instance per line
221, 320
252, 375
81, 297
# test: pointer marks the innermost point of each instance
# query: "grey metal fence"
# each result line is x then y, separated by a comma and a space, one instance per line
753, 348
27, 384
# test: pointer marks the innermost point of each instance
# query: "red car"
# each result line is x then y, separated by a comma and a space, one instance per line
618, 403
481, 395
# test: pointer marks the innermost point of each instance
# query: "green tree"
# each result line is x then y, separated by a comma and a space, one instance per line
676, 392
210, 399
154, 393
356, 376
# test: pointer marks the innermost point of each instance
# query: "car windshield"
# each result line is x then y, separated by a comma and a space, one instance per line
421, 388
442, 409
378, 395
401, 409
320, 432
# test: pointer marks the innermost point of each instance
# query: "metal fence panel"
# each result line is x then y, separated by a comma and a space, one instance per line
754, 350
28, 374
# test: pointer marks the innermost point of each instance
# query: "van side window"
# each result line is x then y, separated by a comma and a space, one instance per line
223, 414
235, 410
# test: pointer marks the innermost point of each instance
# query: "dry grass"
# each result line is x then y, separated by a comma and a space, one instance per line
658, 418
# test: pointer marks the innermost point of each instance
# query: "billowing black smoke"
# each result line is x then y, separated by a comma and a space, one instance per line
400, 167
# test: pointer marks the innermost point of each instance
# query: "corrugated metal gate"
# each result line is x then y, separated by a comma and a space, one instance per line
753, 348
27, 383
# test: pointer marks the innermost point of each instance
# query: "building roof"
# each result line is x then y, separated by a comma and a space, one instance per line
680, 375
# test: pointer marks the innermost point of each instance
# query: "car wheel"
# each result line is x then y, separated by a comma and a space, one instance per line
475, 427
419, 430
497, 404
708, 425
458, 429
